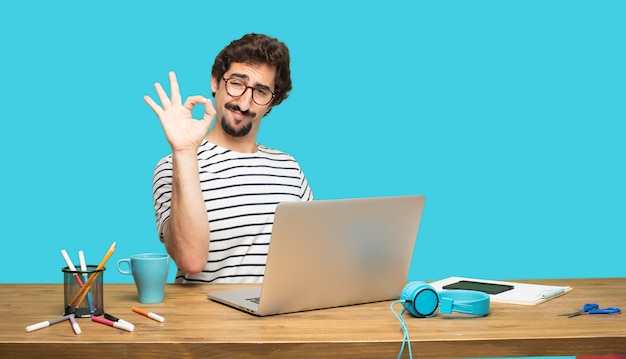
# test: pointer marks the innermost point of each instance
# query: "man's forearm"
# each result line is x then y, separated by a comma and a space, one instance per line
187, 230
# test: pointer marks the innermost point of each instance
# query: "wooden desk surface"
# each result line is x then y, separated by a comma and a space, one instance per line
197, 327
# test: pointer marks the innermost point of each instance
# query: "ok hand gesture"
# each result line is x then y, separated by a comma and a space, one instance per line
182, 131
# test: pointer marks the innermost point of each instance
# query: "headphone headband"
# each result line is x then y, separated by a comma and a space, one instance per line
464, 301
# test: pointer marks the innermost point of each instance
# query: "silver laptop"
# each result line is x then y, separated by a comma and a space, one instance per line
332, 253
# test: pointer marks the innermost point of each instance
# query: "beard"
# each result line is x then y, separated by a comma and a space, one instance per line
231, 131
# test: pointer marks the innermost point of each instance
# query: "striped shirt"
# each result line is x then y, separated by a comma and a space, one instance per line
241, 192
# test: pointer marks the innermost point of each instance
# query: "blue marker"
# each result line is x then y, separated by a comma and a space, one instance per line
83, 268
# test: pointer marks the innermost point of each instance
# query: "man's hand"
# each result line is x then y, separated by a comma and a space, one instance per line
183, 132
187, 232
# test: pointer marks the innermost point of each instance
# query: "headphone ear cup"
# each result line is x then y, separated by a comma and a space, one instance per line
420, 299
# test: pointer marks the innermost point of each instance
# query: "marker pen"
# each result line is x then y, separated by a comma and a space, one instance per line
47, 323
546, 294
150, 315
83, 268
115, 319
118, 325
71, 267
75, 325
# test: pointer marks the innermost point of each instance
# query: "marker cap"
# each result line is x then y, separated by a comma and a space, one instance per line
124, 325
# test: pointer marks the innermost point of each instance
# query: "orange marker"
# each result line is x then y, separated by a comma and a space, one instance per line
150, 315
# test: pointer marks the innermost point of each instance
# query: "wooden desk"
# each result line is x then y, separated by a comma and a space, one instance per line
197, 327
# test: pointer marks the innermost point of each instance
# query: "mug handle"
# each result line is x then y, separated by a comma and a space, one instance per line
119, 268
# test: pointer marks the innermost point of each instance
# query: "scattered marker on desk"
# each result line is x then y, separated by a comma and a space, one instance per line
124, 326
150, 315
75, 325
115, 319
47, 323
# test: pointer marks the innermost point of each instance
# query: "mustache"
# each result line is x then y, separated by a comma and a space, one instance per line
233, 107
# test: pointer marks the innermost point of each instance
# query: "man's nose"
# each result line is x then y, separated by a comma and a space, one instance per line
245, 100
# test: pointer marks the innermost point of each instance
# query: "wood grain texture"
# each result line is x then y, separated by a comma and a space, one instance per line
196, 327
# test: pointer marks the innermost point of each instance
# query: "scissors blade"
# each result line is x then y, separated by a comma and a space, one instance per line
570, 314
586, 308
575, 314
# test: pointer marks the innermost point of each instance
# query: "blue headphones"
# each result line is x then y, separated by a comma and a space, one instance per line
422, 301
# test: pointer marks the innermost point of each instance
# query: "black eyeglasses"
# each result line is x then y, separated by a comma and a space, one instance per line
236, 87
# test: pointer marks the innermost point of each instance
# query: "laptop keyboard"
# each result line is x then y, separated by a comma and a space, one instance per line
254, 300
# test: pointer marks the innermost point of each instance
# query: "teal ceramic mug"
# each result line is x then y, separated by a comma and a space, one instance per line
150, 272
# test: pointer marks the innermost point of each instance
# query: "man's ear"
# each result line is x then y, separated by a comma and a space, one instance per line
214, 85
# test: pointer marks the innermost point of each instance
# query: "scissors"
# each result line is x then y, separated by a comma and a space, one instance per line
592, 308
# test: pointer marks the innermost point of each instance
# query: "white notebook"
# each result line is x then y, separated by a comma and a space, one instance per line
520, 293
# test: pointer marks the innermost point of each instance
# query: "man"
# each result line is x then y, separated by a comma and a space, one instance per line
216, 194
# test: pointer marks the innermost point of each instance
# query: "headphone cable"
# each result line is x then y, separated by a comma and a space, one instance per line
406, 340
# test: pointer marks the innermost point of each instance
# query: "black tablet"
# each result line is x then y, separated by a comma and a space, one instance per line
489, 288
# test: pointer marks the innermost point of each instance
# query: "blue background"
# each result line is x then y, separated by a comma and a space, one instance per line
510, 116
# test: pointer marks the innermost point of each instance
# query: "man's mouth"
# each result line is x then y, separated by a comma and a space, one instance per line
234, 108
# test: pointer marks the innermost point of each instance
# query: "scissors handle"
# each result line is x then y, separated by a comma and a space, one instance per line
605, 311
589, 306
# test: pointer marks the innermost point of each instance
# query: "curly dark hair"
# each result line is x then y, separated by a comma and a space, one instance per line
258, 49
